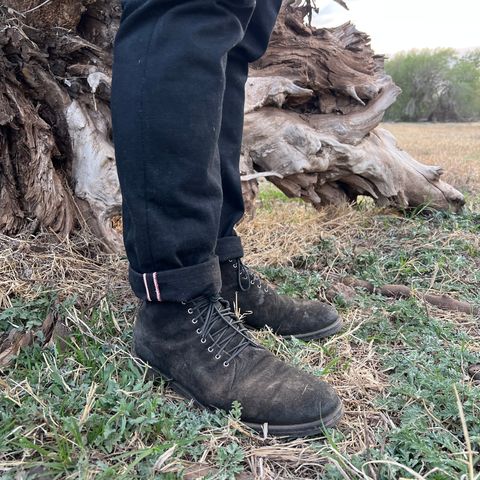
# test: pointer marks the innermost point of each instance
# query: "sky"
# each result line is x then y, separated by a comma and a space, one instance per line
396, 25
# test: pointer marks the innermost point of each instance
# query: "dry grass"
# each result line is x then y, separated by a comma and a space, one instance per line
278, 235
32, 266
453, 146
287, 232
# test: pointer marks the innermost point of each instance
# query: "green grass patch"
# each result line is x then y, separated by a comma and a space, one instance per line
83, 408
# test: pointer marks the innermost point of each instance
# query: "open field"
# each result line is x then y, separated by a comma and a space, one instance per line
454, 146
80, 407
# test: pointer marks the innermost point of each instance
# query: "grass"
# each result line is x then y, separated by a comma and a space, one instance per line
76, 405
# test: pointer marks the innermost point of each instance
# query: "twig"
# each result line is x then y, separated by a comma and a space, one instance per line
471, 474
36, 8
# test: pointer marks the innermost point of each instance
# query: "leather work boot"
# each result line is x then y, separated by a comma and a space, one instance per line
303, 319
207, 355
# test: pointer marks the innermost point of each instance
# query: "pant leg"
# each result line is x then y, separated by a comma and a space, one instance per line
167, 93
250, 49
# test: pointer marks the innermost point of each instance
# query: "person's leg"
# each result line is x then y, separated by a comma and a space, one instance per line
169, 81
167, 94
250, 49
286, 316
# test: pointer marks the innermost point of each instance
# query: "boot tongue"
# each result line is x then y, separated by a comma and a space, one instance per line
222, 316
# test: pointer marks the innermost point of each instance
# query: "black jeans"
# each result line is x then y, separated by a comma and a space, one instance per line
179, 76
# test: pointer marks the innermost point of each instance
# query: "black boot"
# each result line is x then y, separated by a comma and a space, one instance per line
206, 354
302, 319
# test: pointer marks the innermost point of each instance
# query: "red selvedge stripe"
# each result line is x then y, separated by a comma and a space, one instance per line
146, 287
157, 289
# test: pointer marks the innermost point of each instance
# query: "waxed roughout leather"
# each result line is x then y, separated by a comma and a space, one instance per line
263, 306
291, 401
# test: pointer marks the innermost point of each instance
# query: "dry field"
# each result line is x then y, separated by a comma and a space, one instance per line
454, 146
79, 406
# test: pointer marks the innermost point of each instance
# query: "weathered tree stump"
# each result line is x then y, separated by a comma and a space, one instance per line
313, 106
314, 103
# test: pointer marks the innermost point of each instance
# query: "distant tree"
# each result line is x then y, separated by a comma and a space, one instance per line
437, 85
474, 57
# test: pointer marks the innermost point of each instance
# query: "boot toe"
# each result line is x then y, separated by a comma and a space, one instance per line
302, 413
289, 400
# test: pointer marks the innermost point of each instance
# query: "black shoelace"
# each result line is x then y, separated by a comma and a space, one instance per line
246, 278
221, 326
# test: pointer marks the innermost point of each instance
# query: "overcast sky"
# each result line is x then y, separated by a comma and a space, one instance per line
396, 25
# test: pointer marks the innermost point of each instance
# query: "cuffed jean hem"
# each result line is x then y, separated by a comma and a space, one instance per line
178, 285
228, 248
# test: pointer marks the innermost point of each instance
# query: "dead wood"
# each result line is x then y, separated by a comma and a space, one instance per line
395, 291
57, 165
474, 372
314, 103
313, 107
341, 291
444, 302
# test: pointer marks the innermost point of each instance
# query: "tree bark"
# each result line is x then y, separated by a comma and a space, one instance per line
57, 167
314, 103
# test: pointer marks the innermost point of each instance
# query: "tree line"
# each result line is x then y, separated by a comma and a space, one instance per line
439, 85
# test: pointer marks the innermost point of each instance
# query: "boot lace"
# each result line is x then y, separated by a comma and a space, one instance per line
246, 278
221, 326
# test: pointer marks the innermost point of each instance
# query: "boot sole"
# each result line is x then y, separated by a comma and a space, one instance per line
332, 329
294, 430
302, 429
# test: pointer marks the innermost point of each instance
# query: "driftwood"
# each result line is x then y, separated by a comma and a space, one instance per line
314, 103
313, 106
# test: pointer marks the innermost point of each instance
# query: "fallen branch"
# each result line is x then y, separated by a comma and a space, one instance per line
444, 302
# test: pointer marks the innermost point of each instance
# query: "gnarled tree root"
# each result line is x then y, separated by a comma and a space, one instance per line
314, 103
444, 302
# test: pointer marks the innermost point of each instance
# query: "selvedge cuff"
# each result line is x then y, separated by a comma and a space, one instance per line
177, 285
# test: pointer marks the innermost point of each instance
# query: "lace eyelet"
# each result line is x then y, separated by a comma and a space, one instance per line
199, 331
259, 285
210, 349
190, 311
266, 290
218, 357
203, 340
252, 281
184, 303
226, 364
194, 321
235, 265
